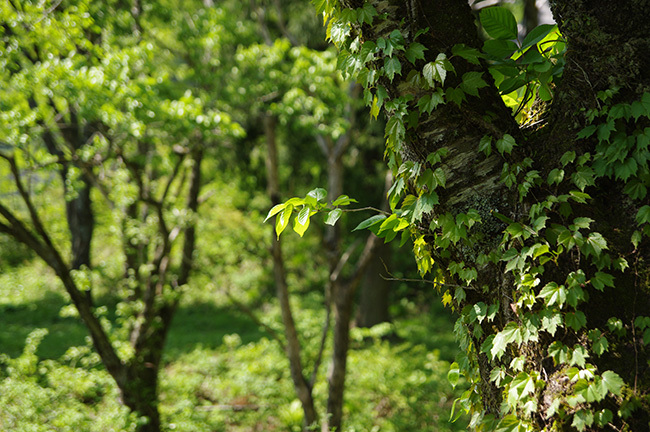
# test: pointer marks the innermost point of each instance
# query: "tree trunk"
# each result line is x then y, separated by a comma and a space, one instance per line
608, 44
374, 293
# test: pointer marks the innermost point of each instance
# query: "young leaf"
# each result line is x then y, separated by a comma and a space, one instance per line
318, 193
333, 216
275, 210
282, 220
301, 222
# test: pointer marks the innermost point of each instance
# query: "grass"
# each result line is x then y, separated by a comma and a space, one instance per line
221, 371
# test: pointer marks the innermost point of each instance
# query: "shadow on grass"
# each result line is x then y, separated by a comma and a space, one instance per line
17, 321
195, 325
201, 324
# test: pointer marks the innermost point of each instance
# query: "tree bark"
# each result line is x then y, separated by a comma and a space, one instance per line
608, 44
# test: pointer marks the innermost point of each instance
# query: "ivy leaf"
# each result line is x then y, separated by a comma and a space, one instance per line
366, 14
510, 333
505, 144
456, 95
596, 243
552, 294
333, 216
425, 204
643, 215
392, 66
575, 320
429, 102
498, 22
555, 176
600, 280
509, 423
485, 145
520, 387
472, 82
612, 382
415, 52
437, 70
439, 178
470, 54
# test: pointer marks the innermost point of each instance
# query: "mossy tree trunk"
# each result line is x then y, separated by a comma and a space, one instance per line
607, 46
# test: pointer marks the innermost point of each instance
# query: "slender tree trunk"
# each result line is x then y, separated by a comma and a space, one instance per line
301, 384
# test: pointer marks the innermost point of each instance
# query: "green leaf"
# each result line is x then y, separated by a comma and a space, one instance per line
612, 382
472, 55
643, 215
600, 280
510, 333
505, 144
333, 216
575, 320
282, 221
498, 22
439, 178
275, 210
343, 200
371, 221
453, 374
552, 294
301, 222
424, 204
392, 66
318, 193
456, 95
537, 34
509, 423
429, 102
567, 158
472, 82
485, 145
437, 70
499, 49
555, 176
415, 52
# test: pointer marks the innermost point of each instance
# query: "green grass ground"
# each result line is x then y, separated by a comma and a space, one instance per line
222, 372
